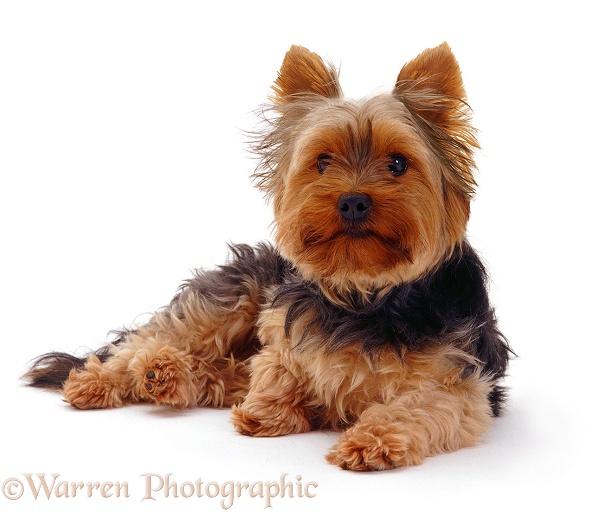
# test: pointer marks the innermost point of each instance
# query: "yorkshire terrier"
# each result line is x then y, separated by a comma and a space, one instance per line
370, 315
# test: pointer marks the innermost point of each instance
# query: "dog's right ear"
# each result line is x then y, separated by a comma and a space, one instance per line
303, 72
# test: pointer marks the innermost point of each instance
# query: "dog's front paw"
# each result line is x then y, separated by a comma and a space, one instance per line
375, 448
164, 376
277, 423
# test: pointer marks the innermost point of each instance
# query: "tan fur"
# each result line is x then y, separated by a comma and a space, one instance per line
401, 409
304, 72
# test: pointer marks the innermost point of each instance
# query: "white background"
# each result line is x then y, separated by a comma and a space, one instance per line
123, 166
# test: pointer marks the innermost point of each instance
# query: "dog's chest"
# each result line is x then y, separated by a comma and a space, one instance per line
348, 381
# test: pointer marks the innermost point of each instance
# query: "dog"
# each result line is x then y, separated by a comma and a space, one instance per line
370, 313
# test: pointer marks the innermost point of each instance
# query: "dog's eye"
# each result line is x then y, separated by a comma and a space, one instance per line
398, 164
323, 162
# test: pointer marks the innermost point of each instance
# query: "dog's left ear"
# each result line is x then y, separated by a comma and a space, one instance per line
303, 72
435, 70
431, 88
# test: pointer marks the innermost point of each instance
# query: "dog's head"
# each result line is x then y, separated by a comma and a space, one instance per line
372, 193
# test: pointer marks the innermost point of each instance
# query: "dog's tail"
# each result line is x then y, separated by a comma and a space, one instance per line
51, 370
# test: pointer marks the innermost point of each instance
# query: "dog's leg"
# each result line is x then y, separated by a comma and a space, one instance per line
275, 404
195, 352
415, 425
173, 360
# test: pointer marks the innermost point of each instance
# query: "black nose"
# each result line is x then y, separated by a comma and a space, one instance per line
354, 207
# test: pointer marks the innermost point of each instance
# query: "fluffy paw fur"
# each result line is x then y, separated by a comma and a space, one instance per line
275, 423
93, 388
165, 376
375, 447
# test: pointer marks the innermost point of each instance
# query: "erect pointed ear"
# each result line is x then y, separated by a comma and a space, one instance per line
304, 72
435, 70
431, 88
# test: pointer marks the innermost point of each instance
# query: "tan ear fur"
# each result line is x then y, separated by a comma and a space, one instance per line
435, 69
431, 88
304, 72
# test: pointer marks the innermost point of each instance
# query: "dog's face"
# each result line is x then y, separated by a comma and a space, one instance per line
368, 194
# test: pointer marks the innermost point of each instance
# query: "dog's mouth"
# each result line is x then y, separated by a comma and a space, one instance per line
357, 234
313, 238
